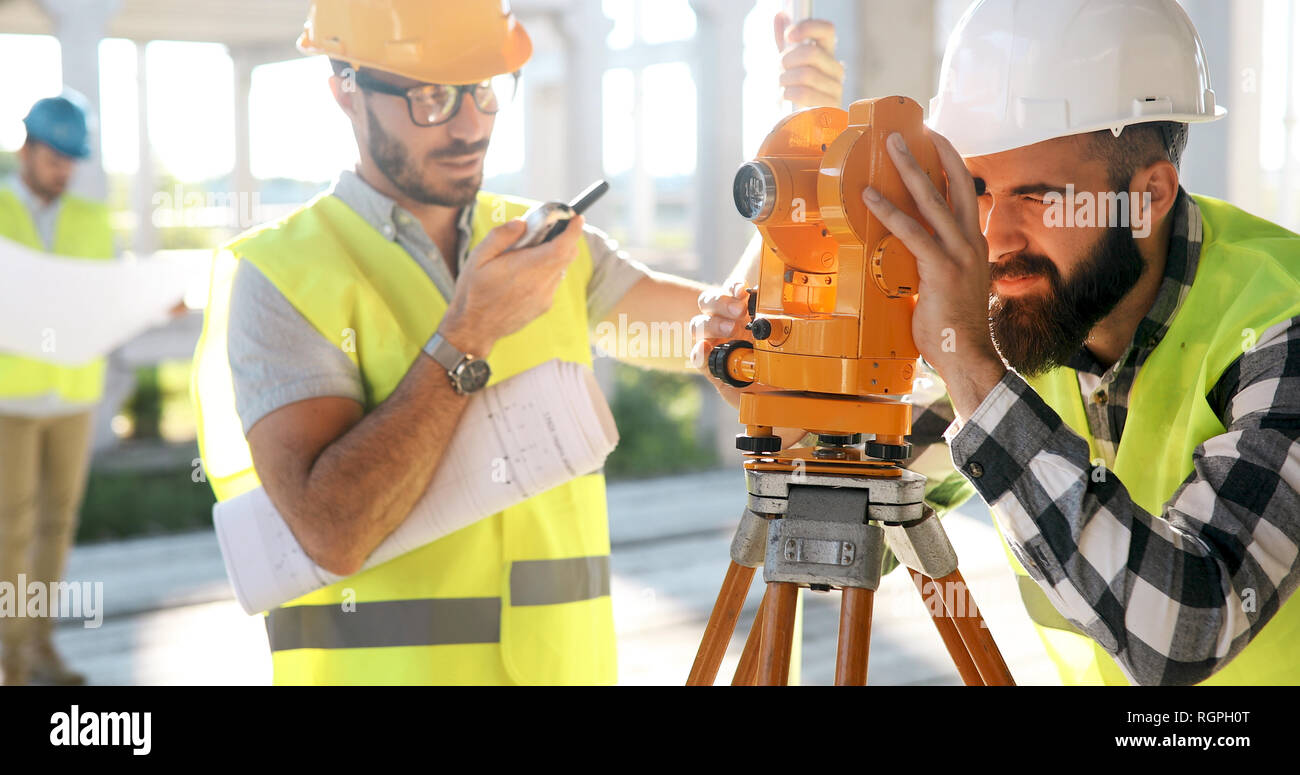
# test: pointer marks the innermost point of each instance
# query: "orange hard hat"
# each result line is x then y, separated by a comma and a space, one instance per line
432, 41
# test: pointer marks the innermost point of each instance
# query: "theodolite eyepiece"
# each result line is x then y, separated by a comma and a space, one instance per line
754, 191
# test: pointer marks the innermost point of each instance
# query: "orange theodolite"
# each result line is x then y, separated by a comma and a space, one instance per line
832, 323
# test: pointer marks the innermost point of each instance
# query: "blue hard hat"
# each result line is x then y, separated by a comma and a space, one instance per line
60, 122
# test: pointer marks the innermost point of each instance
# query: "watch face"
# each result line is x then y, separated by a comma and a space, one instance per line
472, 376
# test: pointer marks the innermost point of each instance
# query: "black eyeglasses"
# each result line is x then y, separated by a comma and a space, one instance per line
432, 104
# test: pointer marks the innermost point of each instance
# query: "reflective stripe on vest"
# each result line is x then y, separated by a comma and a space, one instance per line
1247, 279
436, 622
541, 567
547, 582
81, 231
387, 623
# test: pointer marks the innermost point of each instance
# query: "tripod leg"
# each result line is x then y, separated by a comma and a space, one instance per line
970, 675
747, 670
855, 637
722, 624
778, 634
975, 633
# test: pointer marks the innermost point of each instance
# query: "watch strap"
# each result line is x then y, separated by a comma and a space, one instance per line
444, 352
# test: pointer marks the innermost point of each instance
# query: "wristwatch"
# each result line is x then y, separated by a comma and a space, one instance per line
467, 373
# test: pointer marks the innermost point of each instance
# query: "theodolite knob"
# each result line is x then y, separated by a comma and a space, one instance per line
889, 451
758, 443
761, 328
718, 362
838, 440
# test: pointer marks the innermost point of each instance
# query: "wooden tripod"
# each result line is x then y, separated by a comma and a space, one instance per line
766, 658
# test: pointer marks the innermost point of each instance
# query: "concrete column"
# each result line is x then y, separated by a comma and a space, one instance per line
584, 28
1205, 165
720, 235
242, 182
119, 374
80, 25
1241, 96
543, 97
146, 236
546, 163
887, 46
643, 183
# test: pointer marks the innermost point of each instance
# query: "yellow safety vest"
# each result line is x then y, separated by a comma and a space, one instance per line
82, 231
521, 597
1247, 279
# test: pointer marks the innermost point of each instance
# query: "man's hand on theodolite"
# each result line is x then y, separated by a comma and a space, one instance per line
950, 324
723, 317
724, 313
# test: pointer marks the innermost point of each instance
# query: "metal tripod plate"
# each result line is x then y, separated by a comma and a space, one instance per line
822, 536
830, 554
891, 499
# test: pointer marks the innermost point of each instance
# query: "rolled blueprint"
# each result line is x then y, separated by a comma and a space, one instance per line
518, 438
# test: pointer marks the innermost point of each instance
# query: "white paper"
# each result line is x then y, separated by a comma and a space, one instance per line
70, 310
518, 438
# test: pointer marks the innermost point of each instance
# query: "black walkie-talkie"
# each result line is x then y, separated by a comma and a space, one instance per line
545, 221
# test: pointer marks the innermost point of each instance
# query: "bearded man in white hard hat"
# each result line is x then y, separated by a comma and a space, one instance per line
1122, 357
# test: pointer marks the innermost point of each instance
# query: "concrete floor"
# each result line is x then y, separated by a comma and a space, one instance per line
170, 617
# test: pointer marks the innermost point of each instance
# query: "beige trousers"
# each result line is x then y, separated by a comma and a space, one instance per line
44, 463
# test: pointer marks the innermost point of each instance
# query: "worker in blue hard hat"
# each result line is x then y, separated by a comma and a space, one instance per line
58, 136
45, 409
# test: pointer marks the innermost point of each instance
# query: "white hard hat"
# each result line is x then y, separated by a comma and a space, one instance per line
1018, 72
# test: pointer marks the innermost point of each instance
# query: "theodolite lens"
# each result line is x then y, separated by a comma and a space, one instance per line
754, 191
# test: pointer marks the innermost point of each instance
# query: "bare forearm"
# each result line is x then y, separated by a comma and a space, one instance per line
365, 482
363, 485
651, 325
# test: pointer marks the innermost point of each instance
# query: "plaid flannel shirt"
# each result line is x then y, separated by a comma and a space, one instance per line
1165, 594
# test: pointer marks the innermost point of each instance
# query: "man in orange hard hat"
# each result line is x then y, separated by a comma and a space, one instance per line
342, 344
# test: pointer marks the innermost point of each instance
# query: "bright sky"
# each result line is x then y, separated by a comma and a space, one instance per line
191, 115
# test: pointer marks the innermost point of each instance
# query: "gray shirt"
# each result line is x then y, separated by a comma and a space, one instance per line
44, 215
278, 358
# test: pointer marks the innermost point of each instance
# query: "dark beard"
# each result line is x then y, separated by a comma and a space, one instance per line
395, 162
1036, 334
